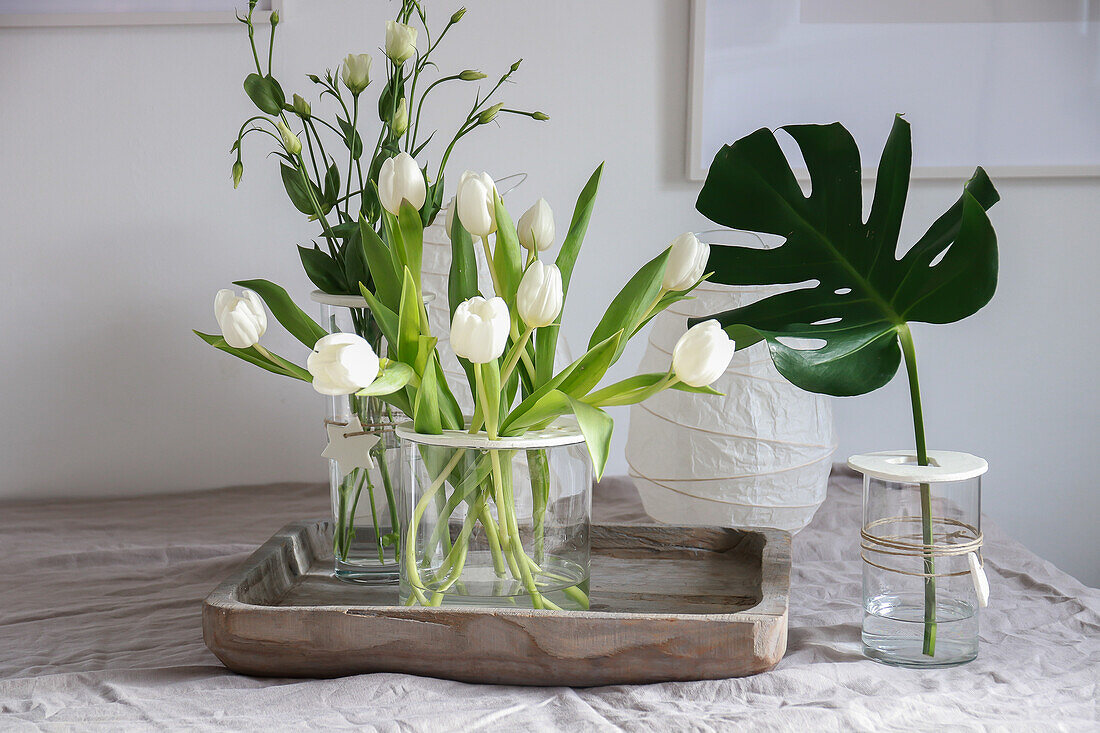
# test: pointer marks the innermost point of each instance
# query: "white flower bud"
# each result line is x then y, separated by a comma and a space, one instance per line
686, 263
400, 41
355, 71
242, 320
702, 354
538, 300
536, 227
342, 363
290, 141
480, 329
400, 121
400, 180
475, 203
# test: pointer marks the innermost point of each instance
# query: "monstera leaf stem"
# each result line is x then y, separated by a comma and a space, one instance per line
905, 336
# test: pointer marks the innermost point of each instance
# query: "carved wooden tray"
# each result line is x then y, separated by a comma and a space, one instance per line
668, 603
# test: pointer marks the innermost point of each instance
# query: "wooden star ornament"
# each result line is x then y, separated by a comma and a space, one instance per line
349, 445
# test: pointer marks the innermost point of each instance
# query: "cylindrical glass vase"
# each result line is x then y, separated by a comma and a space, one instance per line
496, 522
364, 501
923, 582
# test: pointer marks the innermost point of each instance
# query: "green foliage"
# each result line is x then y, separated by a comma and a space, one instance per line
252, 355
862, 294
286, 312
265, 93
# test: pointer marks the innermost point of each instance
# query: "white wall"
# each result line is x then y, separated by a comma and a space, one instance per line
120, 223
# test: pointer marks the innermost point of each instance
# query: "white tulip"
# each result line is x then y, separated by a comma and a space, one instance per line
400, 41
355, 71
342, 363
536, 227
475, 203
400, 180
539, 297
450, 216
686, 263
242, 320
702, 354
480, 328
290, 141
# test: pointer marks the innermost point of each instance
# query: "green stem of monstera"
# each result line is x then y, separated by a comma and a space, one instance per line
910, 353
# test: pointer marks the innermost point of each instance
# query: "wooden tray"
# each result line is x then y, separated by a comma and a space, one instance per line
668, 603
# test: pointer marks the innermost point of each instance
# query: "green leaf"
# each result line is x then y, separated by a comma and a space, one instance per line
462, 280
322, 270
356, 271
382, 267
408, 321
297, 191
387, 320
265, 93
508, 255
412, 238
577, 380
352, 140
332, 186
281, 367
862, 294
394, 377
286, 312
632, 306
597, 426
639, 388
546, 339
426, 408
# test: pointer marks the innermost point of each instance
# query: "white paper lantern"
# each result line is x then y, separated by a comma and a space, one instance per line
758, 457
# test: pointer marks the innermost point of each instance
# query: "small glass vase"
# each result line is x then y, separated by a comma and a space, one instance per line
364, 502
496, 522
923, 583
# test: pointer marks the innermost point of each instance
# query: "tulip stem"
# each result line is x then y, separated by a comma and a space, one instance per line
518, 348
492, 267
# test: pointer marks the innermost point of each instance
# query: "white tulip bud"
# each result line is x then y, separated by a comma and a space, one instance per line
400, 180
686, 263
480, 329
355, 71
400, 41
400, 121
538, 300
242, 320
475, 203
342, 363
702, 354
290, 141
536, 227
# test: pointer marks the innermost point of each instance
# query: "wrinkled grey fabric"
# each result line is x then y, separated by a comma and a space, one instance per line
100, 630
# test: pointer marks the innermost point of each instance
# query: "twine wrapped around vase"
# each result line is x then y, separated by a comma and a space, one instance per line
969, 538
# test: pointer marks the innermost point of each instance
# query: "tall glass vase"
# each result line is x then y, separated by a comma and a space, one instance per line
495, 522
364, 500
923, 581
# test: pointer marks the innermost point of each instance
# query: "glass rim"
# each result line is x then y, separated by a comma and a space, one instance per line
562, 432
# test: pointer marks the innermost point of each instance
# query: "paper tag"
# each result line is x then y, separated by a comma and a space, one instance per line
349, 446
981, 583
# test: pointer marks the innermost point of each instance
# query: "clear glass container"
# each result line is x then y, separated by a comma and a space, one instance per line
364, 502
496, 523
921, 551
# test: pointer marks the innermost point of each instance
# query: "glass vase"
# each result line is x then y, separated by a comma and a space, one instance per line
923, 582
364, 501
495, 522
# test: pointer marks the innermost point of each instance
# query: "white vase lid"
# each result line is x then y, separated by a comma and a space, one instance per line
563, 431
351, 301
901, 466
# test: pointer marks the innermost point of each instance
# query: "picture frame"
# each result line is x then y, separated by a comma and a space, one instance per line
78, 13
780, 73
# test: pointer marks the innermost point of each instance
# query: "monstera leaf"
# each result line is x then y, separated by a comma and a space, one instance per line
863, 295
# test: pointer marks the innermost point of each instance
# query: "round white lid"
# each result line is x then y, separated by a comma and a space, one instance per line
350, 301
563, 431
901, 466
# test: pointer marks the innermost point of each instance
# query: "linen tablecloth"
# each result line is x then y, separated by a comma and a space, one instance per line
100, 629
